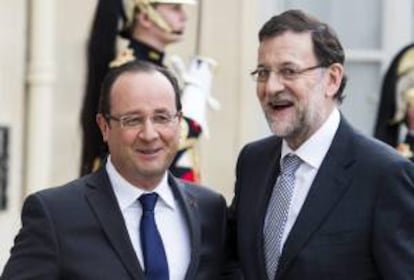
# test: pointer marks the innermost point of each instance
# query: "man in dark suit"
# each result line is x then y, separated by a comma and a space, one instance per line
317, 200
95, 228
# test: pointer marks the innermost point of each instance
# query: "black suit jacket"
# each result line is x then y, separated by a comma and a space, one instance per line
77, 232
356, 223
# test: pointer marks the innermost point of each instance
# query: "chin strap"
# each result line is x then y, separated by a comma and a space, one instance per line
196, 96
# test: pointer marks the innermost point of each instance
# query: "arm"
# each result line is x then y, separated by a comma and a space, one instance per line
393, 233
232, 268
35, 253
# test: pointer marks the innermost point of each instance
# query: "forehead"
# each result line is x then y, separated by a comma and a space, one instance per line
142, 92
169, 7
287, 48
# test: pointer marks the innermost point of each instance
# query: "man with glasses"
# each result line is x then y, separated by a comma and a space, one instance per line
317, 200
131, 219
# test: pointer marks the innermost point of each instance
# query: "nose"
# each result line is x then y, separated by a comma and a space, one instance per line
148, 132
274, 83
183, 14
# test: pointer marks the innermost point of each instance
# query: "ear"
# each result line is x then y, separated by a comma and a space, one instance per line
180, 116
103, 126
143, 20
336, 74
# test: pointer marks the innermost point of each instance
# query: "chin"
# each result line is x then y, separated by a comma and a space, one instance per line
152, 173
281, 131
175, 38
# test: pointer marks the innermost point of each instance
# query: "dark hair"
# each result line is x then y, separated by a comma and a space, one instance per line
100, 51
135, 66
326, 45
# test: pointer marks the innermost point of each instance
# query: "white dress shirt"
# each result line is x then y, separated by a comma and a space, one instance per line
311, 152
169, 218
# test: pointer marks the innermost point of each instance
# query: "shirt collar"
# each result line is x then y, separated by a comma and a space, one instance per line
127, 194
314, 149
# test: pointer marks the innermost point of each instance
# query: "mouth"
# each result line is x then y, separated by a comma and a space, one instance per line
149, 152
178, 32
280, 105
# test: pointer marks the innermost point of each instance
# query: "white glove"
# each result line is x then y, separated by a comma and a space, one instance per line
197, 89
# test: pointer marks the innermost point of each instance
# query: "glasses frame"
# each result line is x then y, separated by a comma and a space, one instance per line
283, 77
159, 125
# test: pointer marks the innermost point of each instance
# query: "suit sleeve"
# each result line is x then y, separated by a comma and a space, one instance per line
34, 254
393, 237
232, 268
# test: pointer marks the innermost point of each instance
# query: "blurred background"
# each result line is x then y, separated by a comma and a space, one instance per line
42, 76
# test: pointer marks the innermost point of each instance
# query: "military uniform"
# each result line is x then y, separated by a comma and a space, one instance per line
398, 81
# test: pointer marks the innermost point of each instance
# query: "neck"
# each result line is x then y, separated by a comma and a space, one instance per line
147, 183
299, 137
149, 40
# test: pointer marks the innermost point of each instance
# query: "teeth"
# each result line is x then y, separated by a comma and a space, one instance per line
280, 103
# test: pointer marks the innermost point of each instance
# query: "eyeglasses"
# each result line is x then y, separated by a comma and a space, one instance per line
286, 74
134, 121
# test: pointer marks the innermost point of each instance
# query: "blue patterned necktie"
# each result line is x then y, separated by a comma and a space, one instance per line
277, 213
155, 260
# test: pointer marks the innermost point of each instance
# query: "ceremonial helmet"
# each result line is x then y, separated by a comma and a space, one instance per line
147, 6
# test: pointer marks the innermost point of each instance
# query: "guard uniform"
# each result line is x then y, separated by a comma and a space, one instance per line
397, 85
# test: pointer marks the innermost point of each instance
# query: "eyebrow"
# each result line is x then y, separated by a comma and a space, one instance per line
138, 112
163, 110
284, 64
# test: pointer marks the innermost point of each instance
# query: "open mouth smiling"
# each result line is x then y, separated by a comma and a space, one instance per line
280, 104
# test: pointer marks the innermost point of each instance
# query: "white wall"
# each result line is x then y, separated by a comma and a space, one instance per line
12, 70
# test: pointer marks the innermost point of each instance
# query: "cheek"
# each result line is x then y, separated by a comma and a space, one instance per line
260, 92
176, 137
122, 139
171, 18
173, 138
302, 92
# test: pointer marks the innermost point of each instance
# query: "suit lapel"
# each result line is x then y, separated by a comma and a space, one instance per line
256, 176
264, 195
189, 205
327, 189
103, 203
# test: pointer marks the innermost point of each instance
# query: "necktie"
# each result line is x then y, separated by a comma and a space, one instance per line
155, 260
277, 213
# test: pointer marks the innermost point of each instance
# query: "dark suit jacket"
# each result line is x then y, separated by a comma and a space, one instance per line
356, 223
77, 232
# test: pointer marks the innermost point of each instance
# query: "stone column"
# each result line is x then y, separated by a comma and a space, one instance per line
41, 80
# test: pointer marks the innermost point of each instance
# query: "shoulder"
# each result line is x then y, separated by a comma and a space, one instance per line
69, 193
363, 148
200, 191
261, 147
260, 152
376, 151
374, 156
201, 194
